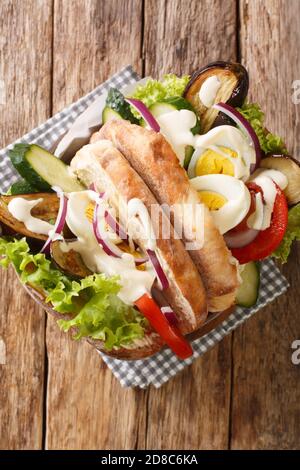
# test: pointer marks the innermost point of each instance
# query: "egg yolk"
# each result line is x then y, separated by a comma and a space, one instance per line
212, 162
212, 200
89, 211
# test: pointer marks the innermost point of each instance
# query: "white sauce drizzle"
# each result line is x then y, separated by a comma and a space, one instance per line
269, 190
277, 176
176, 127
209, 90
137, 209
266, 178
134, 282
20, 209
257, 218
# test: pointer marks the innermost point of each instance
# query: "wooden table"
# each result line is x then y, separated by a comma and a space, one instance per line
56, 393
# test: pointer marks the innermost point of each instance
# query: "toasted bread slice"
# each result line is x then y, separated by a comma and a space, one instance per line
153, 158
102, 164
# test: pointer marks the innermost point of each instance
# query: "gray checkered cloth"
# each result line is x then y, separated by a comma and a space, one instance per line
159, 368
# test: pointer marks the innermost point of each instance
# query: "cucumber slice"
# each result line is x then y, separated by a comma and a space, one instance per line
43, 170
22, 187
249, 289
158, 109
176, 103
108, 114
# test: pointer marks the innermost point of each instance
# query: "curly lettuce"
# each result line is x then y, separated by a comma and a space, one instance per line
292, 233
95, 309
157, 90
269, 143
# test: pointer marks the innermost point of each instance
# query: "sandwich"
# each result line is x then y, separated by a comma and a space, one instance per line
154, 231
154, 159
102, 165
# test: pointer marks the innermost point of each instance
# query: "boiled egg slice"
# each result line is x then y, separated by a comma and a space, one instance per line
222, 150
227, 198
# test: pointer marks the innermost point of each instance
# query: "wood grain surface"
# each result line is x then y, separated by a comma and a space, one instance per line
56, 393
102, 42
25, 69
266, 393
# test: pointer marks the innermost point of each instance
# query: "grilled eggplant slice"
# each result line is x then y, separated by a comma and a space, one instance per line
291, 169
69, 262
229, 83
46, 210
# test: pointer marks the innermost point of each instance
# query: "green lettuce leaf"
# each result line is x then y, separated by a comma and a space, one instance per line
93, 302
158, 90
292, 233
269, 143
106, 318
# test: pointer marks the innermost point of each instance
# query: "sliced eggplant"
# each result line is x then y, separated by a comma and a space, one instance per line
231, 86
291, 169
69, 262
46, 210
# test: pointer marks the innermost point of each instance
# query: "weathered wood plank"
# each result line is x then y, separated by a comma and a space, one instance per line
192, 410
86, 406
92, 41
182, 36
25, 75
266, 395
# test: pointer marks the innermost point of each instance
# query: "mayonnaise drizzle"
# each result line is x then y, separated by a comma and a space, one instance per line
176, 127
266, 179
137, 209
20, 209
277, 176
134, 282
257, 218
209, 90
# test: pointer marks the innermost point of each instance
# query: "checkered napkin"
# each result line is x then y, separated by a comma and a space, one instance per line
159, 368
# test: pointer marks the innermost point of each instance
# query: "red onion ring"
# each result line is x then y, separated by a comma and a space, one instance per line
115, 226
59, 223
240, 239
92, 187
145, 113
109, 247
242, 122
161, 276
